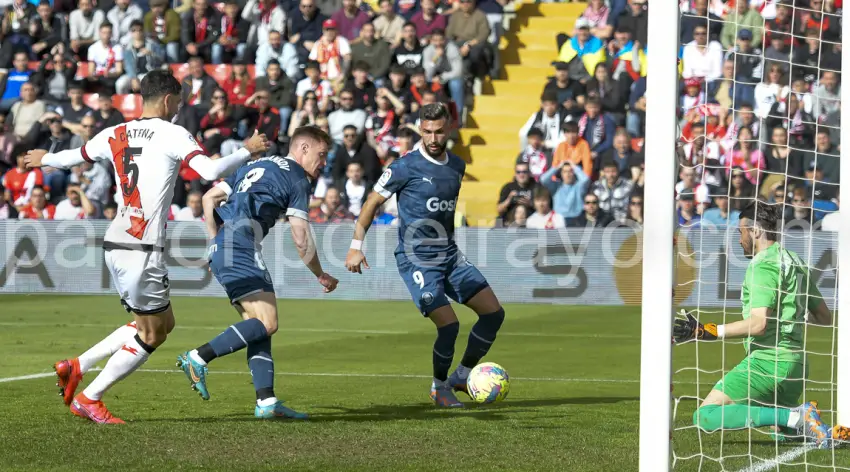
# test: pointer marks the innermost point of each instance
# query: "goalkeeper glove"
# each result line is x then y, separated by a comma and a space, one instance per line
686, 327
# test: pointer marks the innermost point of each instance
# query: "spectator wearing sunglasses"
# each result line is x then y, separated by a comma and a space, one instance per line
55, 73
518, 192
592, 216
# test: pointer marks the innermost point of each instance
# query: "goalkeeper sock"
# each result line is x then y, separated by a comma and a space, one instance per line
481, 337
107, 347
444, 350
711, 418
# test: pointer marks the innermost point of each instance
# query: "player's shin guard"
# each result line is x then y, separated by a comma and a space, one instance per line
234, 338
107, 347
444, 350
130, 357
481, 337
711, 418
262, 368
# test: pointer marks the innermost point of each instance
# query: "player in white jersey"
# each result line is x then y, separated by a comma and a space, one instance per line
146, 154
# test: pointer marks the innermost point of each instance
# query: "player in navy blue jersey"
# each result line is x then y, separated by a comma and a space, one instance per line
257, 195
426, 182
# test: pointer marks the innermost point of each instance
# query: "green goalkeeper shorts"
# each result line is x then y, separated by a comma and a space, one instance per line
768, 382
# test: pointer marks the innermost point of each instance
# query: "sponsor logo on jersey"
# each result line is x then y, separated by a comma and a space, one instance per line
385, 177
435, 204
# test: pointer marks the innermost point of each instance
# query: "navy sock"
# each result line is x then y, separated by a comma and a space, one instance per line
481, 337
444, 350
235, 337
262, 367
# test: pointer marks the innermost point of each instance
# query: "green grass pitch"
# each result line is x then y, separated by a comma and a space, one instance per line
362, 369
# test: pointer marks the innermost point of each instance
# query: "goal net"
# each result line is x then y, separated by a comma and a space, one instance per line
752, 114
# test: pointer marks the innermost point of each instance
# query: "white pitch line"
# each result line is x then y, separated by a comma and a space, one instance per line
27, 377
781, 459
329, 330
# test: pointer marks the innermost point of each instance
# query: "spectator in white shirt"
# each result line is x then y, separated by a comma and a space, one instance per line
83, 25
122, 15
193, 211
544, 217
702, 58
76, 207
106, 64
346, 115
281, 51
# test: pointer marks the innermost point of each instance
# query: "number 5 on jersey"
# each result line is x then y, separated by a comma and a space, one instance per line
128, 174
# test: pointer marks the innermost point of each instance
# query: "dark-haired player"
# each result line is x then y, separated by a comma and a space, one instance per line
427, 181
257, 195
777, 292
146, 154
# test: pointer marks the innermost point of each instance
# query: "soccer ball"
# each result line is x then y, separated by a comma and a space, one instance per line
488, 383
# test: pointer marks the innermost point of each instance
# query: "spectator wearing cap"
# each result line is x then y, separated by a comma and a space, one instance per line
280, 89
635, 19
743, 18
749, 66
305, 27
613, 191
350, 19
693, 96
280, 51
26, 112
346, 115
12, 81
262, 17
321, 89
122, 16
48, 31
37, 207
332, 52
388, 25
374, 53
409, 51
544, 217
233, 36
720, 215
427, 20
582, 52
570, 93
549, 120
83, 26
141, 55
573, 149
568, 184
162, 24
364, 89
686, 210
200, 28
517, 192
702, 58
592, 216
699, 15
535, 155
468, 29
443, 63
596, 127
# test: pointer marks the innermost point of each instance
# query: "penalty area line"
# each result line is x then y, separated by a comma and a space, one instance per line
781, 459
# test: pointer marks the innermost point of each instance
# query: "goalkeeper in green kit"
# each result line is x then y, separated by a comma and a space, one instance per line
776, 294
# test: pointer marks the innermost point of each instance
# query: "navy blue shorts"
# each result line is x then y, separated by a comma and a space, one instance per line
431, 286
240, 269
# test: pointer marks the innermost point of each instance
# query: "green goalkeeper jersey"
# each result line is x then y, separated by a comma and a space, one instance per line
778, 279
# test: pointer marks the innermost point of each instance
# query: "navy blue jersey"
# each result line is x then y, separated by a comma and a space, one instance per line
263, 191
427, 192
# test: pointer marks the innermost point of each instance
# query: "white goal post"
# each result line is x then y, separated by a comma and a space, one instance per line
658, 254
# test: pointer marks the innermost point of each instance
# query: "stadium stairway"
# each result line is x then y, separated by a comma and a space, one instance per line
490, 141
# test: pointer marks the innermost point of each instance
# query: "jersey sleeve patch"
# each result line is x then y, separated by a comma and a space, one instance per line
391, 181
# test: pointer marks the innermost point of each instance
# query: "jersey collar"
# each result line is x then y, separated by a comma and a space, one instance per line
430, 159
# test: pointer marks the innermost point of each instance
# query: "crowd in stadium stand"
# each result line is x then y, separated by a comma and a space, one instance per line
758, 114
360, 69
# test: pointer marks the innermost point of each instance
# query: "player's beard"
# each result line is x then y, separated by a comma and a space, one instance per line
435, 150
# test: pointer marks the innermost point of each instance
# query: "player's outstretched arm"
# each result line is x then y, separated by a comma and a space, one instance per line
820, 315
306, 246
210, 169
61, 160
355, 256
211, 200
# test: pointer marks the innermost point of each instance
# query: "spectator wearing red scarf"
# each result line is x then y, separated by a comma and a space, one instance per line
199, 30
233, 35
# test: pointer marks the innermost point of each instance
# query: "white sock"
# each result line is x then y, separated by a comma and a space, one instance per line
129, 358
794, 419
196, 357
439, 383
267, 402
462, 371
107, 347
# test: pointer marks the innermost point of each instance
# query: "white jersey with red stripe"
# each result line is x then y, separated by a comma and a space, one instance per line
146, 154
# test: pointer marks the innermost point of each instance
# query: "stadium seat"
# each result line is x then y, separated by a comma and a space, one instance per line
129, 105
219, 72
180, 71
90, 100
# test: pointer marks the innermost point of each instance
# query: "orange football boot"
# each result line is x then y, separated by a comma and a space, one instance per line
93, 410
69, 374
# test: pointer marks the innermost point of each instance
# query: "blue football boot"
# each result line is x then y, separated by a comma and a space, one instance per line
195, 372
